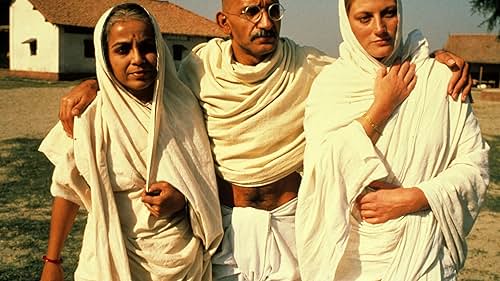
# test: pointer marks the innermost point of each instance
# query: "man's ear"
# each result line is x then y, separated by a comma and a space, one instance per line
223, 23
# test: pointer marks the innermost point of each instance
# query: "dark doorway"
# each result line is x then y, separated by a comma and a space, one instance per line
4, 33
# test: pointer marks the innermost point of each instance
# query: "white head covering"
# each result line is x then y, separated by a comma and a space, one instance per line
350, 49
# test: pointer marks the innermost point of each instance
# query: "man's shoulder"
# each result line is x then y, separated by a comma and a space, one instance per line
201, 52
310, 56
209, 45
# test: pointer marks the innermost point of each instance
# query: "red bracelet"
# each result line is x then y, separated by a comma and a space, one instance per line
58, 261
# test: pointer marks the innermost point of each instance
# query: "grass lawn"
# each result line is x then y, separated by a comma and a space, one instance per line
25, 202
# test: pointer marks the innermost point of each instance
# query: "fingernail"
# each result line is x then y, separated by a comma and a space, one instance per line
451, 61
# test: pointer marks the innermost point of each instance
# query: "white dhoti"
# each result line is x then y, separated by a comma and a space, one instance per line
257, 245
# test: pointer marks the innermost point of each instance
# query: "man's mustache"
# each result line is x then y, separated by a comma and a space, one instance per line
263, 33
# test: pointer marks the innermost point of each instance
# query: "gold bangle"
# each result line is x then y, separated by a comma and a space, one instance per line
372, 124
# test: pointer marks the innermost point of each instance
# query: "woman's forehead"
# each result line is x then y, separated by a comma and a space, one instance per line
131, 27
350, 3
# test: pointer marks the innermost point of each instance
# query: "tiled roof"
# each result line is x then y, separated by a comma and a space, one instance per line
172, 18
475, 48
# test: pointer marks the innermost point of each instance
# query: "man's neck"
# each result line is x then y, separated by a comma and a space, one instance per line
249, 60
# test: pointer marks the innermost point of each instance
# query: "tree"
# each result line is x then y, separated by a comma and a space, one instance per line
490, 9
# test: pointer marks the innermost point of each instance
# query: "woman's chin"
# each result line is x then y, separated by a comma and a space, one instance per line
141, 89
381, 57
381, 52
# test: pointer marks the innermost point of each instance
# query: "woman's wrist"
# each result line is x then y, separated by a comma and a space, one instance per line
416, 200
379, 114
374, 126
373, 121
47, 259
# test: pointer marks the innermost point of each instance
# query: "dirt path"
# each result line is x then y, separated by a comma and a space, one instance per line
484, 247
28, 112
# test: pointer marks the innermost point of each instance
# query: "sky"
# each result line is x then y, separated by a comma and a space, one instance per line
315, 22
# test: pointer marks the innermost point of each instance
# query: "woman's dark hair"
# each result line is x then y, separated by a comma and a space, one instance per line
348, 5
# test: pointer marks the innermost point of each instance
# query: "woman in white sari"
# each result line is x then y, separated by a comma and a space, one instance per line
393, 181
144, 129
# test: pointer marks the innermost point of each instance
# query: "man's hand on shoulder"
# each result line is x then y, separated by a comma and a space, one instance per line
75, 102
461, 80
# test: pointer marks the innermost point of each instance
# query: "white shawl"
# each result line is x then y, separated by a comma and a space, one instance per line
167, 143
431, 142
254, 114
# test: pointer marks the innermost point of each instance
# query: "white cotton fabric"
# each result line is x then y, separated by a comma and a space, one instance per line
431, 142
254, 114
258, 245
120, 146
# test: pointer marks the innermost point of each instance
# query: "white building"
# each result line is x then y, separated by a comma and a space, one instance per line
52, 39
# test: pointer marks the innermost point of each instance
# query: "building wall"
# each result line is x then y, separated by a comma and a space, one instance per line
60, 49
188, 42
27, 23
72, 58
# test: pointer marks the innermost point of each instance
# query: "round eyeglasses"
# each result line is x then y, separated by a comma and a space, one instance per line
254, 12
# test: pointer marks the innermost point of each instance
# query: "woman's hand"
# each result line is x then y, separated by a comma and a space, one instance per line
163, 200
52, 272
74, 103
389, 202
392, 88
